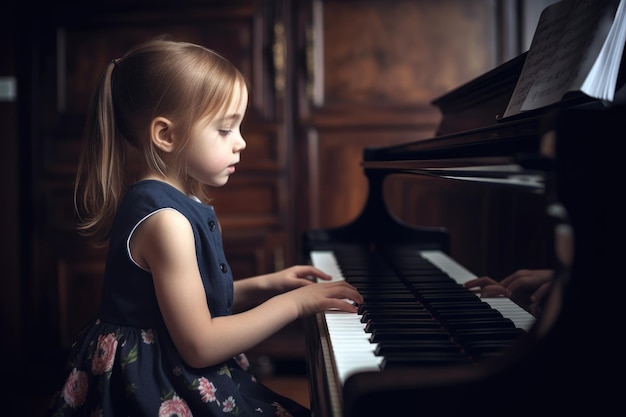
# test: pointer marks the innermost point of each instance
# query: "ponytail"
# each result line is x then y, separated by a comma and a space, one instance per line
100, 178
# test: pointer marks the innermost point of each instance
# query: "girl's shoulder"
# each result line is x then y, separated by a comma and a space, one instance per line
154, 189
157, 192
147, 196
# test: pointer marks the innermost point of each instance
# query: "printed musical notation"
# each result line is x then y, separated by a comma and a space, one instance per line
577, 46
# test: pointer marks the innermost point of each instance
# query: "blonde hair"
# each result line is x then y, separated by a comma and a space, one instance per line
181, 81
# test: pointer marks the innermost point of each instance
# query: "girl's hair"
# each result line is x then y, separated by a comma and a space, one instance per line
180, 81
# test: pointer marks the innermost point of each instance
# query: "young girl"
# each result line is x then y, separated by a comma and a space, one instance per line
164, 124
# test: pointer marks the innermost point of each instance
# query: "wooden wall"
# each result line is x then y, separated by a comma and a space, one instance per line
377, 68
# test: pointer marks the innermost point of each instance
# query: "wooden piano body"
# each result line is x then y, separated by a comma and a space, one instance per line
561, 364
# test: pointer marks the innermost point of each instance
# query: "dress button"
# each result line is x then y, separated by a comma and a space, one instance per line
223, 268
212, 225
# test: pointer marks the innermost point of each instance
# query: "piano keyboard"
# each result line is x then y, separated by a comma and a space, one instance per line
353, 350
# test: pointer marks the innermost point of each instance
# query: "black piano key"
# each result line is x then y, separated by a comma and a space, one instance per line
380, 305
441, 296
403, 346
372, 291
437, 285
444, 305
426, 275
368, 281
374, 305
480, 323
469, 314
370, 287
404, 327
389, 298
463, 335
401, 323
380, 335
435, 359
403, 313
374, 308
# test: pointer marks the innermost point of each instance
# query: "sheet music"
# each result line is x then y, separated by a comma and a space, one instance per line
568, 39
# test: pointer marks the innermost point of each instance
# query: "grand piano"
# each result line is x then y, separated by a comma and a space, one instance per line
422, 344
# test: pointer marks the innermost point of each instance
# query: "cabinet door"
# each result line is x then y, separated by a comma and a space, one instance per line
371, 73
70, 48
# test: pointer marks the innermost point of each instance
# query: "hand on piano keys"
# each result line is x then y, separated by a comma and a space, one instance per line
392, 329
311, 290
327, 296
313, 297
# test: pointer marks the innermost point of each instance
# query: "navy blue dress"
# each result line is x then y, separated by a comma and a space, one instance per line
124, 363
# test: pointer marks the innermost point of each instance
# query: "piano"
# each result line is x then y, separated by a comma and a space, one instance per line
421, 343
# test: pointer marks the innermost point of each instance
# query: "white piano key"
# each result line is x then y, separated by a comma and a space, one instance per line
350, 344
351, 348
326, 262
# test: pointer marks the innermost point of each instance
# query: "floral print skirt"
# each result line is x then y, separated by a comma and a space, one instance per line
124, 371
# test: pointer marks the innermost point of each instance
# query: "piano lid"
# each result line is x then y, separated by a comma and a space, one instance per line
480, 102
469, 128
472, 133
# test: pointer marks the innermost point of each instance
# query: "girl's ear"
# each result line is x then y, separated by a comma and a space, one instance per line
161, 134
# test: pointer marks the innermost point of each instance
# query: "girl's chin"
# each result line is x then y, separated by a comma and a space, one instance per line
219, 182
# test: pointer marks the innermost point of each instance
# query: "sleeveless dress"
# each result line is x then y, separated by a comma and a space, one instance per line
124, 362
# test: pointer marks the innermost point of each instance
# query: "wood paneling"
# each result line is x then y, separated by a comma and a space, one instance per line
403, 52
375, 70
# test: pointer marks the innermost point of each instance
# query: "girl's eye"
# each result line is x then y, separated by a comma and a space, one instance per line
225, 132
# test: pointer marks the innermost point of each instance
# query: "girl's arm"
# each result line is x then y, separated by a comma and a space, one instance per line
164, 244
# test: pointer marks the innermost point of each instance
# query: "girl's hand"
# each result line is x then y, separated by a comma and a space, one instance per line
292, 278
252, 291
315, 298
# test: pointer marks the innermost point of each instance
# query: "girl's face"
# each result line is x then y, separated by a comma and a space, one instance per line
215, 145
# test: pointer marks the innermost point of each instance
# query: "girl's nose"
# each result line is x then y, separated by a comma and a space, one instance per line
240, 144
